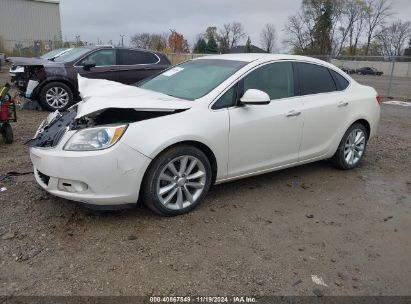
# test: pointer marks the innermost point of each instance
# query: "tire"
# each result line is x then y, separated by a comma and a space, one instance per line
354, 141
180, 194
56, 89
7, 133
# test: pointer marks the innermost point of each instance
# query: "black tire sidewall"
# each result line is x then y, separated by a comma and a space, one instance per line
44, 90
7, 133
339, 156
149, 186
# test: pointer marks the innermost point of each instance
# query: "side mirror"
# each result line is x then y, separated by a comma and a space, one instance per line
255, 97
88, 65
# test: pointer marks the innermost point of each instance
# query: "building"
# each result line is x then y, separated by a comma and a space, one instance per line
29, 24
243, 49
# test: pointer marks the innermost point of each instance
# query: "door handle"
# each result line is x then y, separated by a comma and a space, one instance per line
293, 113
342, 104
147, 68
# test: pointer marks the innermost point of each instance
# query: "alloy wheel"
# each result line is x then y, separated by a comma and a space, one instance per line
354, 147
181, 182
57, 97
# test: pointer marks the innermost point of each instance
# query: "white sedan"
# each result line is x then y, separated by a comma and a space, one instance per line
210, 120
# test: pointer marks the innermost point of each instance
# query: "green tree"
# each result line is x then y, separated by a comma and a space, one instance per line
212, 47
200, 47
322, 30
248, 46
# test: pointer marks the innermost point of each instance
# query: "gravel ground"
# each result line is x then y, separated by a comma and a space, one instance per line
273, 234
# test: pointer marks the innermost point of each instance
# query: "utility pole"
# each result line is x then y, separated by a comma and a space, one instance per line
122, 40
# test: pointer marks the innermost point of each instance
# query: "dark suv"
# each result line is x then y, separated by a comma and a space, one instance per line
54, 83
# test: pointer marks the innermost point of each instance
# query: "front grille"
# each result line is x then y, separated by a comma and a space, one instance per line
44, 178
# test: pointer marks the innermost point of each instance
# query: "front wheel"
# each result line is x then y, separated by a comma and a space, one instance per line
56, 96
352, 147
177, 181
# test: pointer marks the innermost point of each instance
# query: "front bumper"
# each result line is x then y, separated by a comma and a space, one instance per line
103, 178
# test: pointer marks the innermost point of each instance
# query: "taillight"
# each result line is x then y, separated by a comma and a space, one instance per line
379, 99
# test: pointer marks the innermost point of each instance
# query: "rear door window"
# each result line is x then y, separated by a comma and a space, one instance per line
132, 57
315, 79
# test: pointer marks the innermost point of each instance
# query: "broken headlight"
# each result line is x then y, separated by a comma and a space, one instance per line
97, 138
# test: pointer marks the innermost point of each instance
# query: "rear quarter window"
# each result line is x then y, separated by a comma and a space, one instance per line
315, 79
342, 82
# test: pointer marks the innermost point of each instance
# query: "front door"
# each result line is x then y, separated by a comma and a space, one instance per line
266, 136
106, 65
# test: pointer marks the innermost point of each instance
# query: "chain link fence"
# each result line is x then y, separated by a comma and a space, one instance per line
390, 76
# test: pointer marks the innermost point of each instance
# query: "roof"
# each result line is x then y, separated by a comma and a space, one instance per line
48, 1
243, 48
249, 57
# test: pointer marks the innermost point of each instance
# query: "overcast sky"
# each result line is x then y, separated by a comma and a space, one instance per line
108, 19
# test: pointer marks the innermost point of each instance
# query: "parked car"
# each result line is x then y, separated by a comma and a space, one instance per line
211, 120
54, 83
348, 70
17, 61
369, 71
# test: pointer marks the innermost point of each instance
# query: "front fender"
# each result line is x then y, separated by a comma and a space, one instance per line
151, 137
66, 80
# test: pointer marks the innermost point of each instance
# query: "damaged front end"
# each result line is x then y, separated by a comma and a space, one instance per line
26, 78
105, 104
52, 129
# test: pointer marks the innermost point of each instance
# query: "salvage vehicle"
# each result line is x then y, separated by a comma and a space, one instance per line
369, 71
210, 120
54, 83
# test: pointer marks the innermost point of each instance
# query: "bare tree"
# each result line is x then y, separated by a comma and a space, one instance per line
375, 15
350, 14
298, 33
237, 33
268, 37
357, 28
141, 40
158, 42
230, 35
393, 37
223, 38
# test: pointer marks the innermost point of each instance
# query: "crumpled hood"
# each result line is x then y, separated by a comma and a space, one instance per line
25, 61
98, 95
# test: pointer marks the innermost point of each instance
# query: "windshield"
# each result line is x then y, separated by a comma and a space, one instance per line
52, 54
72, 55
193, 79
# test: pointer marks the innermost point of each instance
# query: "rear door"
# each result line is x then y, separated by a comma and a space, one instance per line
136, 65
325, 106
106, 65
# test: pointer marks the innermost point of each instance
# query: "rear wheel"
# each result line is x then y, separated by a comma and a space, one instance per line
177, 181
7, 133
56, 96
352, 147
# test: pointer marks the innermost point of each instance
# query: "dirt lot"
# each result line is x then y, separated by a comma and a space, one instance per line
266, 235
